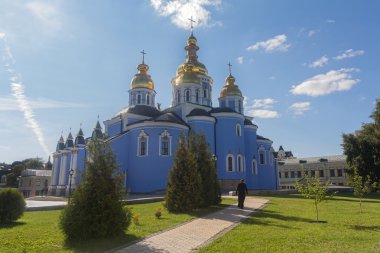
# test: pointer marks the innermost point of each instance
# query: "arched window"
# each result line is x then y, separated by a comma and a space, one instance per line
197, 96
138, 98
262, 155
147, 99
205, 93
142, 144
238, 130
165, 144
187, 95
230, 163
254, 167
239, 163
239, 104
178, 97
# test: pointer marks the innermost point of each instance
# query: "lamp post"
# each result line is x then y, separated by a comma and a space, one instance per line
214, 158
71, 173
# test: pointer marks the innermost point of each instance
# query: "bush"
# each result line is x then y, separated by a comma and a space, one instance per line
158, 213
12, 205
95, 209
136, 219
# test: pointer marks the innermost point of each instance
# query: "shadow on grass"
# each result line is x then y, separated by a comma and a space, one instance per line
100, 245
12, 224
259, 219
368, 228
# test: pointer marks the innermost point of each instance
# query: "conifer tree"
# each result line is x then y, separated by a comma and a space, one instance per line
210, 190
95, 210
184, 181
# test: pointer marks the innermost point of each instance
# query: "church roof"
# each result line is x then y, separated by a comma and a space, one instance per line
144, 110
249, 122
170, 117
224, 109
198, 112
259, 137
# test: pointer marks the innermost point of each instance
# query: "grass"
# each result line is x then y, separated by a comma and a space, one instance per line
39, 231
286, 225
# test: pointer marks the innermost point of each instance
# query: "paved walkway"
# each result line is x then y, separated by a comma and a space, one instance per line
196, 233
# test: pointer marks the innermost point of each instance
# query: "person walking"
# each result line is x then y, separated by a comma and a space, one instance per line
241, 192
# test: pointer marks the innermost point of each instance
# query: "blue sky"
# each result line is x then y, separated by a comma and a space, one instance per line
309, 69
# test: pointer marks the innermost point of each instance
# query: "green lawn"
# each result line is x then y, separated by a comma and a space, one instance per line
285, 225
39, 231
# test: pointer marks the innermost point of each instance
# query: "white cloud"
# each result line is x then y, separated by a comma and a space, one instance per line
330, 21
264, 114
10, 104
180, 11
277, 43
311, 33
47, 13
259, 108
240, 60
272, 78
18, 92
319, 62
300, 107
323, 84
263, 103
349, 54
2, 35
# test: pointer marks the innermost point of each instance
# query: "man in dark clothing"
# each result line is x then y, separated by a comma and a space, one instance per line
241, 191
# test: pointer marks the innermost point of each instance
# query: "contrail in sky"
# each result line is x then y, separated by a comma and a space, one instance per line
18, 92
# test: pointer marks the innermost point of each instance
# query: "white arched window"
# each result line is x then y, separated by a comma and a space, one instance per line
142, 144
262, 155
187, 95
178, 96
238, 130
230, 163
254, 167
165, 144
240, 164
147, 99
205, 93
138, 98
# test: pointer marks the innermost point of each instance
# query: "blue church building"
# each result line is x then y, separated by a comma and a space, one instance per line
144, 137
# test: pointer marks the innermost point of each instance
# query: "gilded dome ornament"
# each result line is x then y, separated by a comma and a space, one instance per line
142, 79
230, 88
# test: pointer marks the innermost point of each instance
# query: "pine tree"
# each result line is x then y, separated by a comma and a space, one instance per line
184, 181
95, 210
210, 190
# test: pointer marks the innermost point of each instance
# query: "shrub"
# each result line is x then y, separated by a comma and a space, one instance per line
136, 219
158, 213
12, 205
95, 209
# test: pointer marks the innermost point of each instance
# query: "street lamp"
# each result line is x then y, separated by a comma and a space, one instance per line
71, 173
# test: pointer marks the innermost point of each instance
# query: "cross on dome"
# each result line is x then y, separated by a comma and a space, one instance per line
143, 56
191, 23
229, 66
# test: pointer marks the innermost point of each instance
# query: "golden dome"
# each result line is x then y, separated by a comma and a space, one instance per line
142, 79
230, 88
188, 74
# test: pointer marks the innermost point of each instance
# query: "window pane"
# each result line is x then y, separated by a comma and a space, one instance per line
229, 163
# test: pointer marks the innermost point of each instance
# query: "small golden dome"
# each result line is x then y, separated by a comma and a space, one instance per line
142, 79
230, 88
188, 75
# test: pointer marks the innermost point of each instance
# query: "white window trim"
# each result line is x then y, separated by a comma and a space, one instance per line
142, 134
238, 130
262, 150
233, 163
254, 167
241, 163
165, 133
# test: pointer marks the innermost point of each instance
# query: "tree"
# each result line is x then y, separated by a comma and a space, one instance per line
312, 188
34, 163
363, 148
184, 181
210, 189
362, 186
48, 165
95, 210
12, 178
